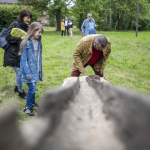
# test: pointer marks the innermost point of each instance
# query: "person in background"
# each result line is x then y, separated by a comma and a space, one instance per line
88, 27
31, 63
11, 57
62, 27
70, 27
66, 22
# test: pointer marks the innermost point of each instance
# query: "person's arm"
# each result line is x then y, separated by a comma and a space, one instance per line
77, 56
10, 38
83, 28
95, 26
107, 52
24, 58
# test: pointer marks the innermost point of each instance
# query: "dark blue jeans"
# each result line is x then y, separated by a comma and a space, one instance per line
62, 33
31, 94
66, 28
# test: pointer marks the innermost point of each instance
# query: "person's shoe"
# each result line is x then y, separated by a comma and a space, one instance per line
35, 106
28, 111
16, 89
23, 95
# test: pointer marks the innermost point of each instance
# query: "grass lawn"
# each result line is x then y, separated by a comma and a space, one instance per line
127, 66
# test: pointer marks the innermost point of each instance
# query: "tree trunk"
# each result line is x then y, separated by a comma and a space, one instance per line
99, 22
118, 22
131, 24
110, 18
120, 16
58, 14
137, 18
99, 25
81, 21
120, 26
106, 17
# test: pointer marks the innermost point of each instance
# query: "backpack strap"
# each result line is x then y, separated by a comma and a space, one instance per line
16, 24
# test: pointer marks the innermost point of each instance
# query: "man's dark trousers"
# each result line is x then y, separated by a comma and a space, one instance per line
66, 28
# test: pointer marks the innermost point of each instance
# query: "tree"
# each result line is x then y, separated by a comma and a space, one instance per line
55, 7
137, 17
102, 8
124, 13
81, 9
120, 13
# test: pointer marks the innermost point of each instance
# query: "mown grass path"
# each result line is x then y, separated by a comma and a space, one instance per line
127, 66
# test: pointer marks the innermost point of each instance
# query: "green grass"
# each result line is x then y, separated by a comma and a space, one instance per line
127, 66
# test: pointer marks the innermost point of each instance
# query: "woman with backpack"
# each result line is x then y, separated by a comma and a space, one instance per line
11, 56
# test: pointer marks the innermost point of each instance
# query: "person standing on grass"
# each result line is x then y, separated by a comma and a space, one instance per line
66, 22
31, 63
91, 50
62, 27
88, 27
11, 57
70, 27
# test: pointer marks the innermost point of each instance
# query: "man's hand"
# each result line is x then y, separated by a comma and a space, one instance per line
29, 78
83, 71
95, 25
83, 34
101, 71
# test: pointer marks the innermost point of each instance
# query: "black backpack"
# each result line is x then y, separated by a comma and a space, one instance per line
3, 43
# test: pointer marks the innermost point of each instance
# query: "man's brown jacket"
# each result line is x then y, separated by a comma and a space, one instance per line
83, 53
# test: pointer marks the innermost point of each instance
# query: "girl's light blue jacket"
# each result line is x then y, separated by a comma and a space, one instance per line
85, 27
29, 64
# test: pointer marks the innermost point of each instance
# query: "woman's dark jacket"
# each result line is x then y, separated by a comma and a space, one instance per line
11, 57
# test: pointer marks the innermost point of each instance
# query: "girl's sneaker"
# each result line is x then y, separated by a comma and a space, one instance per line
35, 106
28, 111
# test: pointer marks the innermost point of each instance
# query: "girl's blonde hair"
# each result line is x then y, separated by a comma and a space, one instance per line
35, 26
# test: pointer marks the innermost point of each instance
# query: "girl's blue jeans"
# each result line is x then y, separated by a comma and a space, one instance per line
31, 94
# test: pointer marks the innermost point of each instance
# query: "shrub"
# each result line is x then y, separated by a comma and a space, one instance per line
10, 13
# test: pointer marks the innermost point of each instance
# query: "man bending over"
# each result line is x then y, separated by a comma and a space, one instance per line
92, 50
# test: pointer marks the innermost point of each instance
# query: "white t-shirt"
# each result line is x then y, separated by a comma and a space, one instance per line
66, 23
70, 23
36, 50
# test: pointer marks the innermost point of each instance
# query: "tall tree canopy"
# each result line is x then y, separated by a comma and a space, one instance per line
108, 14
52, 7
113, 14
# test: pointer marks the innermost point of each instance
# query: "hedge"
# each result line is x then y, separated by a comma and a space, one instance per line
10, 13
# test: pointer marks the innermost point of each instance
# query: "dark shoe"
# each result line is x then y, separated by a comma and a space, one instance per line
23, 95
35, 106
16, 89
28, 111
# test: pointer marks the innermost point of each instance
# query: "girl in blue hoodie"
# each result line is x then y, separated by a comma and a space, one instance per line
31, 63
